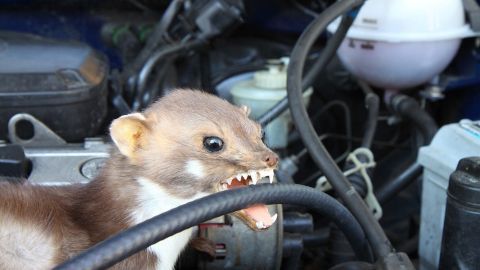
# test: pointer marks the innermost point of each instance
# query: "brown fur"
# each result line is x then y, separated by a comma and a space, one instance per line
43, 226
205, 246
74, 217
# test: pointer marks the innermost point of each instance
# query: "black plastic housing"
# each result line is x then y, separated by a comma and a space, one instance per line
461, 233
61, 83
13, 162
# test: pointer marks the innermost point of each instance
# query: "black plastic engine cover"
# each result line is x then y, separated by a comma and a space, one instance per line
61, 83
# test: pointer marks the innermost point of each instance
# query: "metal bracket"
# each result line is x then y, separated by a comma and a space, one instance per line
42, 135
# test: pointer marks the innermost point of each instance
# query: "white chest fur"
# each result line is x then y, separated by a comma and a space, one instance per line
154, 200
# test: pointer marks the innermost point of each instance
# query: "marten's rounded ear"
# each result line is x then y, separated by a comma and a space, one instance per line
245, 109
128, 133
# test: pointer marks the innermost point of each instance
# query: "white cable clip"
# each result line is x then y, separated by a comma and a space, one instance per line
370, 199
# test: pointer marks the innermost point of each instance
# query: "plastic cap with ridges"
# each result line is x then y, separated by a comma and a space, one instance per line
273, 78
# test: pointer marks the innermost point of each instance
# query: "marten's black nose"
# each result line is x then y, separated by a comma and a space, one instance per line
271, 159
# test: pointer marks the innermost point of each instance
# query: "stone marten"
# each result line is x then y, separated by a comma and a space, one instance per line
186, 145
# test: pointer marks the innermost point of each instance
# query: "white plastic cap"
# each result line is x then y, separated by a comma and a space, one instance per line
273, 78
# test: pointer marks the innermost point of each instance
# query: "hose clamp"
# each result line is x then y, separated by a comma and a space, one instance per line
361, 167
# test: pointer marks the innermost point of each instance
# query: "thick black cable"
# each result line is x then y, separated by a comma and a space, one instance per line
372, 102
159, 55
397, 184
326, 56
139, 237
156, 37
380, 244
328, 52
156, 87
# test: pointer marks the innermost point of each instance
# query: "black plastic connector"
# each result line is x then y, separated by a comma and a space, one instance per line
13, 163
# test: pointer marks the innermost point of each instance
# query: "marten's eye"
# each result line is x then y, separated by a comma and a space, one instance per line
213, 144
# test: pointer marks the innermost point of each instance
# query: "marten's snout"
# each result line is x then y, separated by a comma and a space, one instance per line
271, 159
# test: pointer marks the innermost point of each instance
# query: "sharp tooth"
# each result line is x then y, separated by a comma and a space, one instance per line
254, 177
260, 225
244, 176
265, 173
224, 186
229, 181
270, 176
274, 218
239, 177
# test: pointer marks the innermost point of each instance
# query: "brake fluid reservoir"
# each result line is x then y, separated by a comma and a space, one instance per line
263, 91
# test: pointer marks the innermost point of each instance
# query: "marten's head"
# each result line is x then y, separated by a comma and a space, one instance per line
190, 142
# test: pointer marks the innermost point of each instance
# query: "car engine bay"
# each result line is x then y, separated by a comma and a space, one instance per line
375, 103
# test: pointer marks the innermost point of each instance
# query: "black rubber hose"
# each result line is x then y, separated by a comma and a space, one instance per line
328, 52
340, 251
372, 102
326, 56
409, 109
139, 237
380, 244
159, 55
156, 37
397, 184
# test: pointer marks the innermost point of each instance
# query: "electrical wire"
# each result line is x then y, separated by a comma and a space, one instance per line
372, 102
140, 6
326, 56
156, 38
156, 85
304, 9
348, 127
151, 63
391, 143
409, 109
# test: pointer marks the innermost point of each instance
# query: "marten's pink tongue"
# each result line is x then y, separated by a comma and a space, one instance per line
258, 212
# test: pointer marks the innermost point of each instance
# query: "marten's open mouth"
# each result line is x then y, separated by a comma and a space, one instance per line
256, 216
